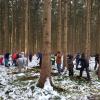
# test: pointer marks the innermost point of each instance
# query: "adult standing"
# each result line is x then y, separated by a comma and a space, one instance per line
70, 64
84, 66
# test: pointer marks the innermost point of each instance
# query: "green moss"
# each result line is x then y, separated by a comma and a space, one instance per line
56, 98
1, 98
28, 78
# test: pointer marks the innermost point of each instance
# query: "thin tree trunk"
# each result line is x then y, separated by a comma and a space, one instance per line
98, 23
0, 26
12, 32
88, 32
65, 32
59, 27
26, 26
23, 27
6, 31
14, 27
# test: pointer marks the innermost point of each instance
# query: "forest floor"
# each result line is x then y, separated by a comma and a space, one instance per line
22, 86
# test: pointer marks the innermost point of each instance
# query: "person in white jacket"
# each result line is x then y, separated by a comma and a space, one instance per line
22, 62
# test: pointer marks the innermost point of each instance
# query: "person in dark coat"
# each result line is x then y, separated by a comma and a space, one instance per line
6, 57
77, 61
84, 66
96, 61
70, 64
39, 55
30, 57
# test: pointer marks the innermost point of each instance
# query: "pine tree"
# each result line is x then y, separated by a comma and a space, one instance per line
46, 69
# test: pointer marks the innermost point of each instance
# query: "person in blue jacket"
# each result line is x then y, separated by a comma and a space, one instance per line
6, 57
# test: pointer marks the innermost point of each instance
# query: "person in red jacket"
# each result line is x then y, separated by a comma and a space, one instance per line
58, 61
1, 60
14, 58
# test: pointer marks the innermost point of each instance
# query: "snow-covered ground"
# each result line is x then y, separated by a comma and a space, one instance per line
22, 86
34, 62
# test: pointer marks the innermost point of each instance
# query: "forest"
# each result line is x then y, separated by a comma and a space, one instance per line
40, 41
74, 25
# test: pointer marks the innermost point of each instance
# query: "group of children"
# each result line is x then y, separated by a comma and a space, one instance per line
81, 60
18, 59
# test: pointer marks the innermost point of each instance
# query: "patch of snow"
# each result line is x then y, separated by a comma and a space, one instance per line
34, 62
20, 74
12, 89
47, 85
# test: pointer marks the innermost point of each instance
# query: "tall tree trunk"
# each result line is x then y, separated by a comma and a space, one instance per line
0, 26
46, 69
14, 26
65, 32
70, 35
88, 27
98, 29
74, 34
59, 27
6, 31
23, 26
98, 24
12, 31
26, 26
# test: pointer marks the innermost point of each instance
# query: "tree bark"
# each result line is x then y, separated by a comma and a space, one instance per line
6, 31
59, 27
88, 27
46, 69
65, 33
26, 26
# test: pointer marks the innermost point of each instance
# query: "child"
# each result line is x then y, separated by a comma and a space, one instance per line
58, 61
